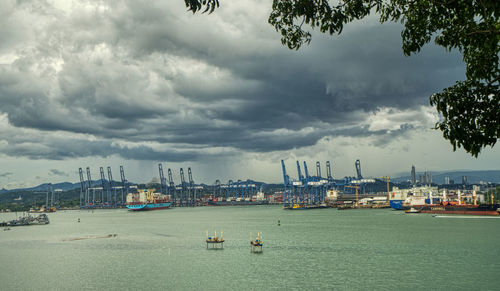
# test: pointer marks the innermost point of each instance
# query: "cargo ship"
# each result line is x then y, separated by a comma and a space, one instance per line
453, 207
402, 199
147, 199
258, 199
297, 206
423, 201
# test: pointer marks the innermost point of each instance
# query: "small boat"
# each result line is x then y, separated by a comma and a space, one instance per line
413, 210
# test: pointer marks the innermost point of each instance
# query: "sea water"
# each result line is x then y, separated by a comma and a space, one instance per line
365, 249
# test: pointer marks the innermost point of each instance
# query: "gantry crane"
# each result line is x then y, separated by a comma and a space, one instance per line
358, 169
111, 186
171, 187
192, 190
163, 181
83, 186
183, 187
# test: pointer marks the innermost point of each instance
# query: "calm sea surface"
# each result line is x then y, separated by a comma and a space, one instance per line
316, 249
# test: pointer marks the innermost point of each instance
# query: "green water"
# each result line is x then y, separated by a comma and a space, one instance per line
315, 249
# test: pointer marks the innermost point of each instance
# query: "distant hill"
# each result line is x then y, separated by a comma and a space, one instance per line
65, 186
473, 177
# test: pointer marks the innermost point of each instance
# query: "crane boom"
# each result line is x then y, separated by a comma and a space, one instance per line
299, 172
163, 186
358, 169
306, 171
328, 171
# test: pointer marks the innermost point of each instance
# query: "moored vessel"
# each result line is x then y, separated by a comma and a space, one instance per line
258, 199
28, 220
450, 206
402, 199
455, 208
297, 206
147, 199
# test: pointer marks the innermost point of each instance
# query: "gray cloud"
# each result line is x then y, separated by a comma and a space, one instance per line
6, 174
57, 172
151, 82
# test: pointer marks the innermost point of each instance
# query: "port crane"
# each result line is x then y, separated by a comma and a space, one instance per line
89, 181
83, 187
50, 191
306, 172
358, 169
103, 185
171, 187
309, 190
329, 172
106, 189
287, 184
124, 184
192, 190
111, 186
300, 187
163, 181
217, 189
230, 188
183, 188
301, 178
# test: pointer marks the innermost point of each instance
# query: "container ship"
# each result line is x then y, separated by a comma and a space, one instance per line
258, 199
147, 199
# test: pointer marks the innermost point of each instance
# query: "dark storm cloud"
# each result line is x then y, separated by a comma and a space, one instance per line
53, 148
174, 85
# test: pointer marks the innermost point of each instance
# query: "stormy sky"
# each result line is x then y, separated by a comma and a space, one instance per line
109, 83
